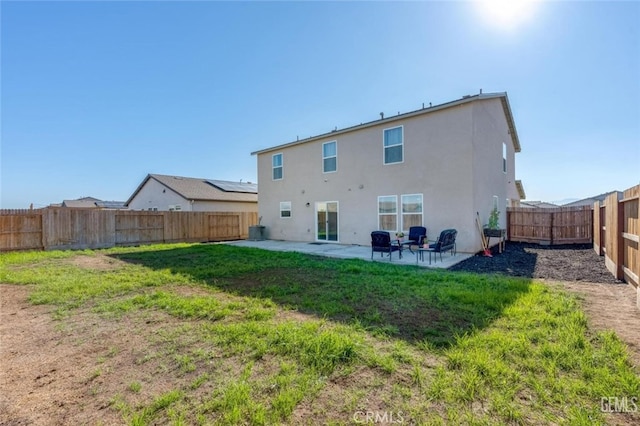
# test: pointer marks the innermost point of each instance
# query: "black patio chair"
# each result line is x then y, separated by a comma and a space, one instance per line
381, 242
416, 236
446, 242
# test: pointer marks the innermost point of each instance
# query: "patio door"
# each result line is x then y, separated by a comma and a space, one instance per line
327, 221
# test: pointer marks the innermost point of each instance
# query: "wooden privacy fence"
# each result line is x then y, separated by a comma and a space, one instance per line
617, 234
562, 225
64, 228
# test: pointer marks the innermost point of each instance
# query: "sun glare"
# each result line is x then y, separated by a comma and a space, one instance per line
506, 14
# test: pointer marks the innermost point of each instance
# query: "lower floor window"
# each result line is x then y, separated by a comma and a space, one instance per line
285, 208
411, 212
388, 213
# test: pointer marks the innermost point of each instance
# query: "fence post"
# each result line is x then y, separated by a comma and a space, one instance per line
552, 231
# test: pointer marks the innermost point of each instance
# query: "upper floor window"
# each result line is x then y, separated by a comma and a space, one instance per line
393, 145
276, 163
504, 157
329, 157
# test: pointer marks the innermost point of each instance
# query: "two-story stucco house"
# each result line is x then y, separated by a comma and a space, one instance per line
434, 167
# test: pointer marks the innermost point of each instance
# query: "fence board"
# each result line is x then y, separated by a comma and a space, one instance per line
613, 245
21, 230
598, 228
138, 227
225, 226
63, 228
622, 235
631, 235
563, 225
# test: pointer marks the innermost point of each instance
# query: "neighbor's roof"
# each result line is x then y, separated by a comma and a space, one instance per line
538, 205
589, 201
111, 204
197, 189
464, 100
83, 202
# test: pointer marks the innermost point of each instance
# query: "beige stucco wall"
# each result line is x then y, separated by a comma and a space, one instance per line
151, 196
224, 206
452, 156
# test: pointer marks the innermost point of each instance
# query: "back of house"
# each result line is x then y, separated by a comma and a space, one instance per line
434, 167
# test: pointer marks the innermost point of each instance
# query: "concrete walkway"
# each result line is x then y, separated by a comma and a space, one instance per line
344, 251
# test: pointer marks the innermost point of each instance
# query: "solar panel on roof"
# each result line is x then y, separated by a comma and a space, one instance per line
226, 186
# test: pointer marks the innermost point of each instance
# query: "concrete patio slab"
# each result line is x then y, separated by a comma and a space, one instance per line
344, 251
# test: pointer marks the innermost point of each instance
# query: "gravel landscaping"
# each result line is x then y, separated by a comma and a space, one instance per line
576, 262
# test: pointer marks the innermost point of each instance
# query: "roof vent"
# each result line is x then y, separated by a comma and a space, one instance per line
382, 116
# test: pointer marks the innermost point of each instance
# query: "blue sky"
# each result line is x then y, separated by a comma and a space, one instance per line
96, 95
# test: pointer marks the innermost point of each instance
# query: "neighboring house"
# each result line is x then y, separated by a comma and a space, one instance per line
162, 192
80, 203
91, 203
114, 205
538, 205
591, 200
436, 167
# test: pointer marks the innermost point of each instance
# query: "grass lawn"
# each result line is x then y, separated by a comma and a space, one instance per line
257, 337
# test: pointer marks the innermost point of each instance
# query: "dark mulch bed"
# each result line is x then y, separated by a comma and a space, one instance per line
575, 262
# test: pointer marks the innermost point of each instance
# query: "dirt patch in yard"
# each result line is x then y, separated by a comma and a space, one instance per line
71, 371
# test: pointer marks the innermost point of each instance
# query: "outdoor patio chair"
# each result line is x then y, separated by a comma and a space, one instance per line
416, 235
446, 242
381, 242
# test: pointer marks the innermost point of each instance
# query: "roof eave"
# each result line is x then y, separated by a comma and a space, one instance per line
511, 123
461, 101
520, 189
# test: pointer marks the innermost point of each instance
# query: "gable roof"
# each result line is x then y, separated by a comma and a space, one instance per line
198, 189
506, 107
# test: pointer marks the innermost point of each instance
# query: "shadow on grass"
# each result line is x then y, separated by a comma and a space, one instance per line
400, 301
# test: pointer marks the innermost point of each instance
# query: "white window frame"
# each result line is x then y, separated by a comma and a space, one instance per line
274, 167
395, 200
403, 213
331, 156
285, 206
384, 147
